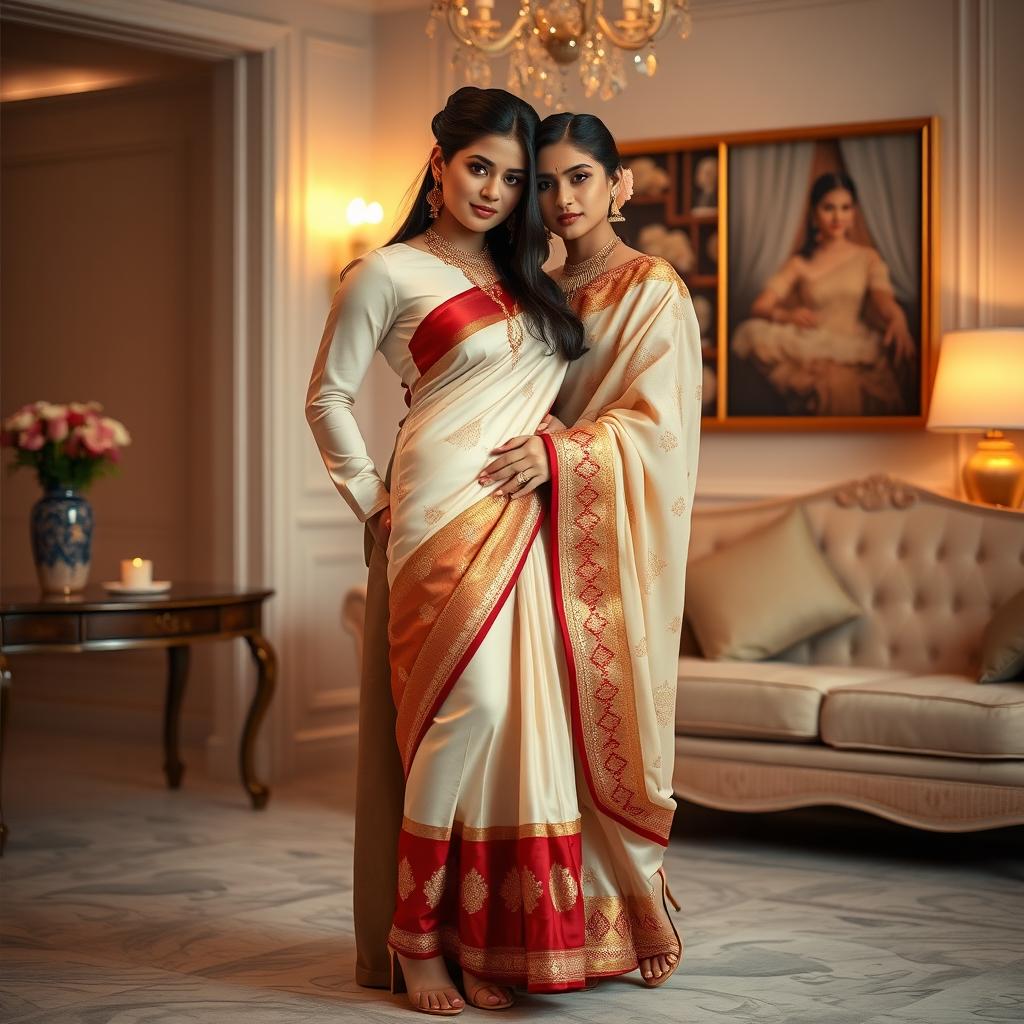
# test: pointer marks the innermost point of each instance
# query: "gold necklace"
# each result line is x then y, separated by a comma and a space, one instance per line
577, 275
480, 271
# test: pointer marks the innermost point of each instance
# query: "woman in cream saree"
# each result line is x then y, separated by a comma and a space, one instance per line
534, 648
622, 481
537, 733
459, 308
533, 632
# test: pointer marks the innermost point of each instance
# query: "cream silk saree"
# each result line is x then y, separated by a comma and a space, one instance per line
533, 642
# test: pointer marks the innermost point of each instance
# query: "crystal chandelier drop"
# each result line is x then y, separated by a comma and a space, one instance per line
546, 37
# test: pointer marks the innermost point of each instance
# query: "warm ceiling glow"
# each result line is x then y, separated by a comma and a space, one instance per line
28, 85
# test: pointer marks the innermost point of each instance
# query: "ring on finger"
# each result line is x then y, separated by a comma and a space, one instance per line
522, 478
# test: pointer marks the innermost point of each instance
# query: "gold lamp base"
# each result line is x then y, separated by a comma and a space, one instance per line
994, 474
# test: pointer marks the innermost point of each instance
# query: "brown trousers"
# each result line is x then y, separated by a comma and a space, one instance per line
380, 783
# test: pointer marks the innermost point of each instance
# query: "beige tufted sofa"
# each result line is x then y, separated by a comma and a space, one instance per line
882, 713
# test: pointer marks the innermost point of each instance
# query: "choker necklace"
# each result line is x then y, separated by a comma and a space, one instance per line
480, 271
577, 275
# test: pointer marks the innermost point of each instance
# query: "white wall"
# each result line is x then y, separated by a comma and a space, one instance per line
763, 64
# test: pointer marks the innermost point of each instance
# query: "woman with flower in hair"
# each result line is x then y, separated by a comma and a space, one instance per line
622, 454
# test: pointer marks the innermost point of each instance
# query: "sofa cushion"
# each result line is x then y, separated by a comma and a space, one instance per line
764, 593
763, 700
947, 715
1002, 644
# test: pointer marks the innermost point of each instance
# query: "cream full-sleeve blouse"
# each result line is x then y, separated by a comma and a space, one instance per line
381, 300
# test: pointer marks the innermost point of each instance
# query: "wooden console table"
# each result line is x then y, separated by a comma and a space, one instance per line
97, 621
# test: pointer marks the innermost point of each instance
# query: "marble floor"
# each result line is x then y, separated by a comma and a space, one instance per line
124, 903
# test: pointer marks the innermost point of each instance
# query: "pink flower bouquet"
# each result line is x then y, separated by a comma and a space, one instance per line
67, 445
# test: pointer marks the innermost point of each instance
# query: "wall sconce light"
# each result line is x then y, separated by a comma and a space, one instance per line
341, 227
359, 212
979, 388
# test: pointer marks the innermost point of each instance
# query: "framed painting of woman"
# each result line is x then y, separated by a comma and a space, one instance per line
828, 306
812, 267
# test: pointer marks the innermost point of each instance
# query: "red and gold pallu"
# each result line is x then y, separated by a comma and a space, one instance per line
622, 486
489, 853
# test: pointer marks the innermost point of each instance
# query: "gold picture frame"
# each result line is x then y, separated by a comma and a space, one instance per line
843, 373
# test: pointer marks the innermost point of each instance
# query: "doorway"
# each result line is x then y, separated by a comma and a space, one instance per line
133, 257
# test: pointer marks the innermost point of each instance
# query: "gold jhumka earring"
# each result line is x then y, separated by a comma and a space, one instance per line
435, 200
614, 216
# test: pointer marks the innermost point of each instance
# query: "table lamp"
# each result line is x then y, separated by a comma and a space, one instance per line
979, 388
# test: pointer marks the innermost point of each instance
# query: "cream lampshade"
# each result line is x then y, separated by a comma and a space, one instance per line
979, 388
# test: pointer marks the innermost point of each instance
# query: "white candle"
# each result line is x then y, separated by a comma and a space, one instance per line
136, 572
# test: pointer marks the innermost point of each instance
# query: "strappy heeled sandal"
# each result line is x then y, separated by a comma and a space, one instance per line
471, 994
666, 897
398, 985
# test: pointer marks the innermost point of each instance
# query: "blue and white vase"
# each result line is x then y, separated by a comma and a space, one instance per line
62, 540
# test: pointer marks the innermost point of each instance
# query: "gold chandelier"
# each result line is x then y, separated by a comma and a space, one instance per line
546, 38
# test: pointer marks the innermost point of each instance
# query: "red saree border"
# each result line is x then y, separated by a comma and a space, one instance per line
449, 324
466, 619
608, 742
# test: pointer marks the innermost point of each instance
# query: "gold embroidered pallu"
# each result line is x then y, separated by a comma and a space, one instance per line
623, 478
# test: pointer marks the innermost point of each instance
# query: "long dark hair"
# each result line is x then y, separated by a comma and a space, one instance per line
519, 245
586, 132
822, 186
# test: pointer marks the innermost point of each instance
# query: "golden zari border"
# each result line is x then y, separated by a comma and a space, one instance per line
541, 966
586, 549
450, 638
492, 833
618, 934
622, 930
611, 287
497, 317
444, 362
429, 578
531, 830
421, 831
420, 945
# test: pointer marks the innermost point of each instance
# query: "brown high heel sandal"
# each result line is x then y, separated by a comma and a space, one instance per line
397, 986
666, 898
